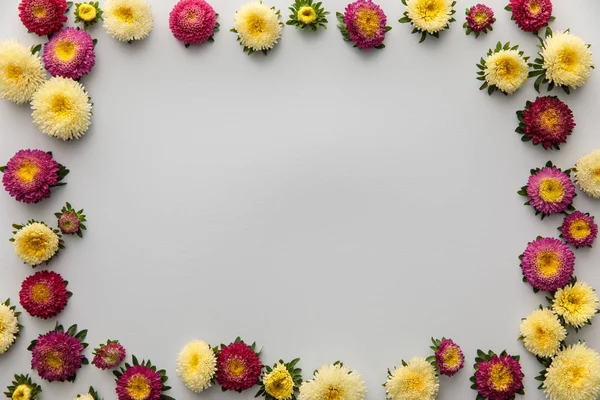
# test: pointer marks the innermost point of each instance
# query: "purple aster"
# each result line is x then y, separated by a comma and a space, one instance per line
449, 357
579, 229
56, 356
137, 376
480, 18
366, 23
550, 191
70, 53
499, 378
547, 264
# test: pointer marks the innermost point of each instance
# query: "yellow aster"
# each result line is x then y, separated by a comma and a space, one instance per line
507, 70
22, 392
542, 333
307, 15
429, 15
279, 383
21, 73
576, 303
128, 20
258, 26
574, 374
196, 365
62, 109
587, 174
35, 243
567, 59
415, 381
9, 327
334, 382
87, 12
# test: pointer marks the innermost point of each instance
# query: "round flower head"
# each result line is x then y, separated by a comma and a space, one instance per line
574, 374
30, 174
21, 72
70, 53
43, 17
415, 380
542, 333
281, 382
480, 19
364, 23
128, 20
70, 221
238, 366
547, 121
576, 304
531, 15
36, 243
196, 365
504, 69
307, 15
257, 26
23, 388
547, 264
62, 109
549, 190
579, 229
193, 21
141, 381
109, 355
44, 294
587, 174
334, 381
428, 16
497, 377
9, 326
448, 356
88, 13
58, 355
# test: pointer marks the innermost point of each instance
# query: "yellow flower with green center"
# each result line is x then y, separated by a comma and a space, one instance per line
87, 12
576, 303
279, 383
35, 243
22, 392
307, 15
542, 333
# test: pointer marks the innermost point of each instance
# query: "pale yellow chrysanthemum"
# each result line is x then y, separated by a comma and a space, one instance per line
196, 365
9, 327
576, 303
279, 383
21, 73
429, 15
542, 333
86, 396
62, 109
334, 382
128, 20
415, 381
87, 12
22, 392
587, 174
257, 26
35, 243
567, 59
574, 374
507, 70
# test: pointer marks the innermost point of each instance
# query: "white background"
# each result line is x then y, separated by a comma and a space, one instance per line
325, 202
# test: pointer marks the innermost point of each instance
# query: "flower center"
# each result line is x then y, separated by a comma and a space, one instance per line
236, 368
580, 229
256, 25
65, 50
535, 7
429, 10
87, 12
124, 14
551, 191
14, 72
38, 10
548, 263
280, 385
307, 15
507, 68
40, 293
480, 17
576, 374
450, 357
415, 383
550, 120
27, 172
138, 388
111, 356
23, 392
500, 377
368, 22
191, 16
333, 393
568, 59
571, 303
61, 106
54, 360
36, 244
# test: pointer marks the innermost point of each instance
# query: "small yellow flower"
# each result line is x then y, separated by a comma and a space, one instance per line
507, 70
22, 392
21, 73
587, 174
35, 243
307, 15
429, 15
279, 383
196, 365
87, 12
574, 374
576, 303
415, 381
542, 333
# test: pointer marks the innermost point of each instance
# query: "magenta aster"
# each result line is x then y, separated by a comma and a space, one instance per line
449, 357
70, 53
547, 121
364, 23
579, 229
238, 366
549, 190
480, 19
109, 355
193, 21
141, 382
530, 15
30, 174
57, 355
497, 377
43, 17
547, 264
44, 294
71, 221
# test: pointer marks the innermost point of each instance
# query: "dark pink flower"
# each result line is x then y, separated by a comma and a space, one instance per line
548, 121
70, 53
43, 17
44, 294
579, 229
531, 15
238, 367
480, 18
57, 356
139, 382
550, 191
109, 355
192, 21
547, 264
449, 357
499, 378
366, 23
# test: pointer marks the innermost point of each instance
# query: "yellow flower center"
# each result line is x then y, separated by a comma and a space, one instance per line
40, 293
535, 7
65, 50
550, 119
307, 15
38, 10
54, 360
138, 388
508, 68
22, 392
548, 263
500, 377
87, 12
125, 14
429, 10
571, 302
61, 106
35, 244
236, 368
367, 21
451, 357
279, 384
480, 17
568, 59
576, 374
551, 191
415, 383
14, 72
27, 172
2, 326
580, 229
333, 393
191, 16
256, 25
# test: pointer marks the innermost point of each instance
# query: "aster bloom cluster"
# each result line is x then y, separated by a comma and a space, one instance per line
21, 72
43, 17
497, 377
413, 380
238, 366
141, 381
128, 20
504, 69
546, 121
109, 355
480, 19
89, 13
530, 15
197, 365
575, 304
308, 15
35, 243
363, 23
587, 174
23, 388
9, 326
579, 229
281, 382
549, 190
44, 294
428, 17
334, 381
71, 222
258, 27
70, 53
547, 264
448, 357
30, 174
193, 22
58, 354
542, 333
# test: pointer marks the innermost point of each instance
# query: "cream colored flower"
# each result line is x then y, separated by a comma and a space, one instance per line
587, 174
429, 15
574, 374
415, 381
35, 243
9, 327
576, 303
507, 70
542, 333
567, 59
128, 20
258, 26
196, 365
21, 73
334, 382
85, 397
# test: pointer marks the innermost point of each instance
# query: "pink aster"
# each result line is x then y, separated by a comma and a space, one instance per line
480, 18
531, 15
30, 174
136, 377
366, 23
579, 229
70, 53
192, 21
43, 17
69, 223
109, 355
449, 357
44, 294
56, 356
547, 264
499, 378
548, 121
550, 191
238, 367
